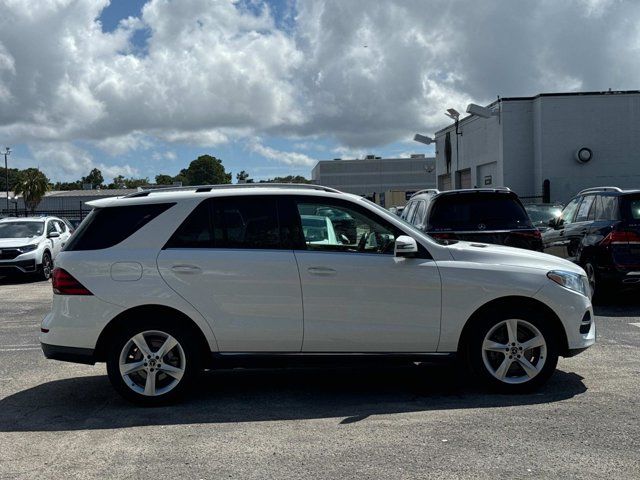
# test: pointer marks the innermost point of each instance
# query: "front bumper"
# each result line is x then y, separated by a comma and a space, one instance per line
17, 266
69, 354
572, 309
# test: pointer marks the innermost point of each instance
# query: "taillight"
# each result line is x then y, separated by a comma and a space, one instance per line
64, 284
443, 235
618, 237
530, 234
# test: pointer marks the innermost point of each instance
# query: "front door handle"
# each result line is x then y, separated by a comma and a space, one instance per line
186, 269
325, 271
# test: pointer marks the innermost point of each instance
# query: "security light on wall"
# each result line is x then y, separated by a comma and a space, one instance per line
453, 113
479, 111
423, 139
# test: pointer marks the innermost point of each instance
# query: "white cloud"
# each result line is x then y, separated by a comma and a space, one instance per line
168, 155
361, 72
65, 161
287, 158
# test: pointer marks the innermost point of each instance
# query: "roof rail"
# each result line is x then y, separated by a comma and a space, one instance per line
208, 188
600, 189
433, 191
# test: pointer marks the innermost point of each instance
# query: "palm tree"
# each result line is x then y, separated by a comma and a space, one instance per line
32, 184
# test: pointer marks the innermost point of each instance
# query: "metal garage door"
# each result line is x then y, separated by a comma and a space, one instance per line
444, 182
465, 178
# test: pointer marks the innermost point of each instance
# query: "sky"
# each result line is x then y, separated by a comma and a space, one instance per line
138, 88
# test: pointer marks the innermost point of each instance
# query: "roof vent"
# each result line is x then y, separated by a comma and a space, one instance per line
370, 157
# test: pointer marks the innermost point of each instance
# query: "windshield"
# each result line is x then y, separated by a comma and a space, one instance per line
478, 211
541, 214
411, 227
21, 229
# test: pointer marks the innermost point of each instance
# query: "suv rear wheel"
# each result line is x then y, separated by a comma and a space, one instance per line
152, 363
513, 352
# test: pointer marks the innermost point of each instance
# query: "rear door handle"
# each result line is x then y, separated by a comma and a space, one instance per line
186, 269
321, 271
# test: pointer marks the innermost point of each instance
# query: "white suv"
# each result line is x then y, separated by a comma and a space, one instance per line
30, 245
222, 276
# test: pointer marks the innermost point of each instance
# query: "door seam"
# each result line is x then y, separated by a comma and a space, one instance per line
301, 298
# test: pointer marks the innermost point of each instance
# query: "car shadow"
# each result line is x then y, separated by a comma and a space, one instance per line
20, 279
623, 303
226, 396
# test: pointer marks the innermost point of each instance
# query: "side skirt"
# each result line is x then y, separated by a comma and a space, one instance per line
321, 359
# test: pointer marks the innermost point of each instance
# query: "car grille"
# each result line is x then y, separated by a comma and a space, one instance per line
9, 253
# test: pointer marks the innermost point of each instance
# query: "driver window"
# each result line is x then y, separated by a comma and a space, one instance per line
569, 212
343, 229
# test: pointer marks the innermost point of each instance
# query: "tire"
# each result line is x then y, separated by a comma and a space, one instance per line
172, 372
503, 362
46, 267
600, 289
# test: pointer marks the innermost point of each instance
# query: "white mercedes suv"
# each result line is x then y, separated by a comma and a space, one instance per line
162, 284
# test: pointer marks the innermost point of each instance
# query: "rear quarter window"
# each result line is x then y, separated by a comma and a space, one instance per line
478, 211
631, 207
106, 227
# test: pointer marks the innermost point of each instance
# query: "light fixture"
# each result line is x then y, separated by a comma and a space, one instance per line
423, 139
479, 111
453, 113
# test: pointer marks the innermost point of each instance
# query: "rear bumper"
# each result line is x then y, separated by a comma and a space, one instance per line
69, 354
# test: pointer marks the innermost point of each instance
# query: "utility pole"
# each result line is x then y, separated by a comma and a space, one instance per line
7, 152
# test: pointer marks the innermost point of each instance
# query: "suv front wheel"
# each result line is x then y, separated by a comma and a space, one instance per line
513, 352
152, 364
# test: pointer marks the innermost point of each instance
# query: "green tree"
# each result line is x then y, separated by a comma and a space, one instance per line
32, 185
206, 170
242, 176
94, 178
14, 174
118, 182
287, 179
135, 182
77, 185
164, 179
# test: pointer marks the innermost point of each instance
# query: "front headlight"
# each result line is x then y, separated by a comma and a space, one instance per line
28, 248
572, 281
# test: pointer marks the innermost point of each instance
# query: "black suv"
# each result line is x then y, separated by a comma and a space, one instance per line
477, 215
599, 229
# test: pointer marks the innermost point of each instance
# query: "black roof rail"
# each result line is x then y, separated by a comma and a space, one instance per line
209, 188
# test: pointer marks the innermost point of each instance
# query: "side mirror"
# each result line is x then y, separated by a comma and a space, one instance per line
405, 246
53, 235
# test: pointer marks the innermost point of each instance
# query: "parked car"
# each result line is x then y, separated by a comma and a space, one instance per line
599, 229
542, 213
397, 210
493, 215
220, 276
30, 245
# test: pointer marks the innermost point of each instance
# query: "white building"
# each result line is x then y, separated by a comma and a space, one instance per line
375, 175
558, 143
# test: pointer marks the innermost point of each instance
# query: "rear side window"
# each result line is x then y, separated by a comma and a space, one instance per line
631, 207
233, 222
106, 227
608, 208
478, 211
585, 207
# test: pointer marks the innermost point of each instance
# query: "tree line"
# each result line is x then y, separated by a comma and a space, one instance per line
32, 183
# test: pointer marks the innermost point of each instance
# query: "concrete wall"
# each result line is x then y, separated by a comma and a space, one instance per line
536, 138
365, 177
479, 144
607, 124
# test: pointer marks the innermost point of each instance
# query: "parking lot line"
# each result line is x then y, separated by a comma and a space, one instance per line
637, 324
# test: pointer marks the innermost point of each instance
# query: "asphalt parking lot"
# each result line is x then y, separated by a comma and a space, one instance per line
60, 420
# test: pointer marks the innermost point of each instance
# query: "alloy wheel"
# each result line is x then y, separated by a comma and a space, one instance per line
152, 363
514, 351
591, 276
46, 266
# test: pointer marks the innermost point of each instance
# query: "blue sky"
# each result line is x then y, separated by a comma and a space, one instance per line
140, 88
